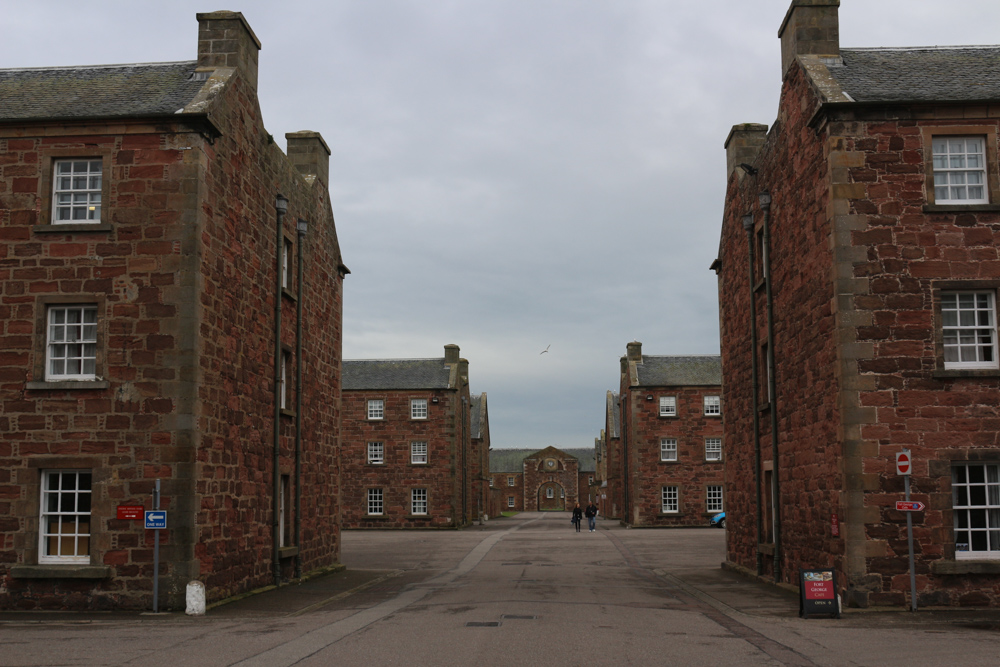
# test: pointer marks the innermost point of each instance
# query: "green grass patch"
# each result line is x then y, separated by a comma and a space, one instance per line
509, 513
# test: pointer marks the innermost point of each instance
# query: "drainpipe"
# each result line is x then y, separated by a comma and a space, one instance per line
765, 204
281, 206
465, 481
748, 226
300, 229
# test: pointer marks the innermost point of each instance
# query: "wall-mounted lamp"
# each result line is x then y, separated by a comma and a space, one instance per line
281, 204
748, 222
301, 227
765, 199
434, 400
750, 171
649, 397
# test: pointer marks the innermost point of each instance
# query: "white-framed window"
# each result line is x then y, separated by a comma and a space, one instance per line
286, 264
491, 482
668, 406
975, 490
590, 480
286, 364
550, 492
418, 452
713, 405
668, 449
968, 329
960, 170
64, 522
418, 501
376, 452
418, 408
713, 449
375, 501
713, 498
76, 191
376, 408
510, 501
71, 343
510, 481
671, 500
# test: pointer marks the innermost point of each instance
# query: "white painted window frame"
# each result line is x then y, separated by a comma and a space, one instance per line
510, 501
668, 449
418, 408
376, 409
959, 336
713, 498
988, 504
85, 198
376, 502
670, 500
376, 453
955, 166
71, 343
67, 507
713, 449
713, 406
418, 452
418, 502
668, 406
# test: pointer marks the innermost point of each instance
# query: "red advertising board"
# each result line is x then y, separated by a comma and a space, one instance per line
818, 593
131, 512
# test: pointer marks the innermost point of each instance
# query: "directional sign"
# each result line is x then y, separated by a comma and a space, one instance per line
910, 506
156, 519
130, 512
903, 466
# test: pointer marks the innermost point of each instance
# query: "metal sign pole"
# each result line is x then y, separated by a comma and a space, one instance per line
156, 551
909, 541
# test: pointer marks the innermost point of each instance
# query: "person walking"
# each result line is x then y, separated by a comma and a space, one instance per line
591, 514
577, 517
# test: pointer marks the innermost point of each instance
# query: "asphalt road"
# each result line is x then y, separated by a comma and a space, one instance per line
526, 590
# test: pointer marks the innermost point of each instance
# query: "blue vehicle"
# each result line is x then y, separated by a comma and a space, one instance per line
719, 520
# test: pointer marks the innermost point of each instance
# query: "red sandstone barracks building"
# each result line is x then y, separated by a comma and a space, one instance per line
858, 277
414, 454
549, 479
670, 445
145, 214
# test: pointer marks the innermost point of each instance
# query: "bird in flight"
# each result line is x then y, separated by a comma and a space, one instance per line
546, 349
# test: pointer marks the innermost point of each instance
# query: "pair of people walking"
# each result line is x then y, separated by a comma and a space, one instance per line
590, 513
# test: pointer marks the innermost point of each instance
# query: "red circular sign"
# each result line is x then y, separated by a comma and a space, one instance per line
902, 463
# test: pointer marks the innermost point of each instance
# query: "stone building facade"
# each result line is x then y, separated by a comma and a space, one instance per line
858, 277
408, 458
541, 480
149, 243
612, 499
671, 439
479, 425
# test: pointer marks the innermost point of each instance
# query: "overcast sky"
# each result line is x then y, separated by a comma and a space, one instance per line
511, 174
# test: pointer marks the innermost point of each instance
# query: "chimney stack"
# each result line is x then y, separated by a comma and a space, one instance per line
226, 40
742, 145
451, 353
811, 27
634, 351
310, 155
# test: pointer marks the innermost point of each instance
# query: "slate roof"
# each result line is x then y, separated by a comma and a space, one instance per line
679, 371
475, 422
512, 460
395, 374
101, 91
919, 74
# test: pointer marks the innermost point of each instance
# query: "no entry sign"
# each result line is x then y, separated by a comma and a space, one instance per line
903, 465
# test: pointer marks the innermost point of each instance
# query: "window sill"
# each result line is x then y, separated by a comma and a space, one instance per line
71, 228
377, 464
966, 567
418, 517
288, 294
713, 460
669, 461
51, 571
285, 412
418, 465
960, 208
668, 416
375, 517
967, 373
68, 385
287, 552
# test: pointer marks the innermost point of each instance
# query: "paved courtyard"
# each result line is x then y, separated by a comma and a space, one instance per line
524, 590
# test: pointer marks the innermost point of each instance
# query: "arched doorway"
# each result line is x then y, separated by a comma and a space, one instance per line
551, 497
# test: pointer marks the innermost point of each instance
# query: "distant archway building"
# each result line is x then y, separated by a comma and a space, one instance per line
550, 479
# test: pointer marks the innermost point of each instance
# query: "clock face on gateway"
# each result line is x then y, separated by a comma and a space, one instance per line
550, 464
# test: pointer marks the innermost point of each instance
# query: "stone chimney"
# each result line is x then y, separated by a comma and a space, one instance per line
226, 40
451, 353
742, 145
810, 27
634, 351
310, 155
463, 369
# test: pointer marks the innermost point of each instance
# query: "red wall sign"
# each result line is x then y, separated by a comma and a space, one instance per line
131, 512
835, 525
